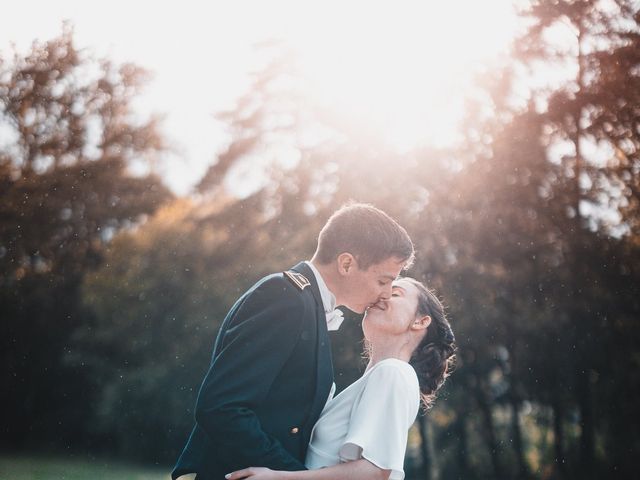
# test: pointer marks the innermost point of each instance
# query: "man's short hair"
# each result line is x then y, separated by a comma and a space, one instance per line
367, 233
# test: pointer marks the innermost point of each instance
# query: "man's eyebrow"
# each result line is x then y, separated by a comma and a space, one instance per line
389, 277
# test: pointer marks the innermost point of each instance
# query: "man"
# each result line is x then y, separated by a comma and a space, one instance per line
271, 372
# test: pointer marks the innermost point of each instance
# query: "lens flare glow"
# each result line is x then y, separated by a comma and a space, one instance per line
397, 69
404, 67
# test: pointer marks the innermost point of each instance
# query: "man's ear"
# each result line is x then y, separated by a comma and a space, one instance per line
346, 263
421, 323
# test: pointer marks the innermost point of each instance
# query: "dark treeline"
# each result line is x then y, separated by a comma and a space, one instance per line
112, 290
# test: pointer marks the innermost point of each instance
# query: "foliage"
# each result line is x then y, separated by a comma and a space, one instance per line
535, 253
66, 187
43, 468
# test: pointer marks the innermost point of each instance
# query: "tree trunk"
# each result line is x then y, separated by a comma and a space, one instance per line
462, 451
523, 469
587, 443
429, 465
558, 437
489, 431
587, 451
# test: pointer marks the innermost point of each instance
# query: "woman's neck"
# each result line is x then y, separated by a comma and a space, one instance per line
379, 352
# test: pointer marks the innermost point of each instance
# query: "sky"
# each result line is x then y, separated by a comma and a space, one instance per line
398, 65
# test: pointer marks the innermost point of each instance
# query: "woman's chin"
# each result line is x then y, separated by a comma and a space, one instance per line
371, 313
368, 311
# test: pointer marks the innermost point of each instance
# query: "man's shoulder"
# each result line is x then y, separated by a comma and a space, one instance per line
297, 279
287, 285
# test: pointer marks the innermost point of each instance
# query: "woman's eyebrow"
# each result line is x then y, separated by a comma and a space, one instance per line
399, 287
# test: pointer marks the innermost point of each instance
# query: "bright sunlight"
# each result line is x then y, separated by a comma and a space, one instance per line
396, 70
403, 68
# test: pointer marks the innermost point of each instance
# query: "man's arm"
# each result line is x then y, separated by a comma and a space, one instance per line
253, 350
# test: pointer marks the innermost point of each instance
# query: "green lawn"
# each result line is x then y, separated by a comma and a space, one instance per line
37, 468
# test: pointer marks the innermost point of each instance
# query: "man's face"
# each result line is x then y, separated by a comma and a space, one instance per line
364, 288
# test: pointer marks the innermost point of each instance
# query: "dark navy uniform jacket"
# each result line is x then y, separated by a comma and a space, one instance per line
270, 377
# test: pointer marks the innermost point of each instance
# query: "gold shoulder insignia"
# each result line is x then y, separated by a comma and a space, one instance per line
297, 279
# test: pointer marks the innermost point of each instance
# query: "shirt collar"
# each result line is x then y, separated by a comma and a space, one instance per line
334, 316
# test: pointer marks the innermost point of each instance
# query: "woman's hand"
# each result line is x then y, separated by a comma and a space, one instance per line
257, 473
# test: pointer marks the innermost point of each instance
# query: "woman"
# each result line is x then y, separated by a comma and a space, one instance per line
362, 432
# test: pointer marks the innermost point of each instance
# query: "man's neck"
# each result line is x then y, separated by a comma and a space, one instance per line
328, 275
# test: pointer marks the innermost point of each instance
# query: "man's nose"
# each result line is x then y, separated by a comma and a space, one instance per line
385, 294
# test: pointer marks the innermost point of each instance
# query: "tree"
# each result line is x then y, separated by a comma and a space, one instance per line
66, 186
595, 109
542, 290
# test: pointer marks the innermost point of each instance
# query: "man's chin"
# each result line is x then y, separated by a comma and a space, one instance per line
360, 309
357, 309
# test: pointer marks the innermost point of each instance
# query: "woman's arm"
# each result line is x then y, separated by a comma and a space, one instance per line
357, 470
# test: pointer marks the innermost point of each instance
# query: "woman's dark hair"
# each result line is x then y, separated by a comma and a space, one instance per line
367, 233
434, 357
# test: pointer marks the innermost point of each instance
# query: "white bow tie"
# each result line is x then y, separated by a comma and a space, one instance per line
334, 319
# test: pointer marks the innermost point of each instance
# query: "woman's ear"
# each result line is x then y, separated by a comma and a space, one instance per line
346, 262
421, 323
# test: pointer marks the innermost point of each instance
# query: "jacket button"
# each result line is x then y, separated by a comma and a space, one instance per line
294, 430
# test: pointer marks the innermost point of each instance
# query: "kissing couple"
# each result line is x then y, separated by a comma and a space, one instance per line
266, 408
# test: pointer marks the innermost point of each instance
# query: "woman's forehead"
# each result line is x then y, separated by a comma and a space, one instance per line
404, 284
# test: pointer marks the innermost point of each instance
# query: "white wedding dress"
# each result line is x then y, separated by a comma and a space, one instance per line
370, 419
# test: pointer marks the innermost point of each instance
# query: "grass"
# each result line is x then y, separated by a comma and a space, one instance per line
43, 468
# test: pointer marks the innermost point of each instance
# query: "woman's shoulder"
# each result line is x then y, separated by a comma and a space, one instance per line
392, 386
395, 371
394, 364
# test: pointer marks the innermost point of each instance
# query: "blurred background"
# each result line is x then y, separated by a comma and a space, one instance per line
155, 161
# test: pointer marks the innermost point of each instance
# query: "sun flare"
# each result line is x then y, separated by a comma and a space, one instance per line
403, 68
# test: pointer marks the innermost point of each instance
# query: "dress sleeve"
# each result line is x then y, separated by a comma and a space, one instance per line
381, 418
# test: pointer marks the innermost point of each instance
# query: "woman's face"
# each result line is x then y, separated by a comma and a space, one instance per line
395, 315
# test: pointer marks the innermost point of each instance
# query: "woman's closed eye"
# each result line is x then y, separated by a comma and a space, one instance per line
397, 292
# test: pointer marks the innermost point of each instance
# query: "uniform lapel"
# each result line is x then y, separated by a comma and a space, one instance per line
324, 373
